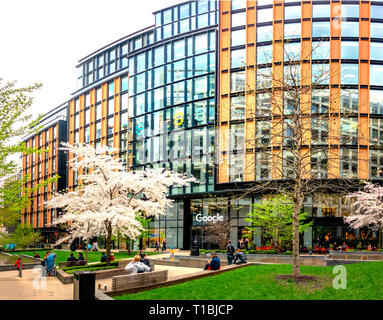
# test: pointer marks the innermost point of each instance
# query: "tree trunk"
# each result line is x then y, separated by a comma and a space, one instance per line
108, 243
296, 210
380, 238
86, 249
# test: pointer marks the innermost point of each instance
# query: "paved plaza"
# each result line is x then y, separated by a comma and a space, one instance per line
34, 287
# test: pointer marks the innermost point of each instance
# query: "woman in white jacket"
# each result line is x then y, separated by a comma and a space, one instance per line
136, 266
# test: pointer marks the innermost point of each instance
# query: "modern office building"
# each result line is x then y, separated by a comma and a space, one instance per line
183, 93
39, 167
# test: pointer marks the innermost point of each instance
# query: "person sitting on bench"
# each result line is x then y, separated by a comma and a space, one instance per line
240, 257
214, 263
136, 266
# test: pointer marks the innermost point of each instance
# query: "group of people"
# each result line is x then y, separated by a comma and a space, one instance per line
73, 258
243, 244
140, 264
93, 246
48, 262
235, 256
162, 245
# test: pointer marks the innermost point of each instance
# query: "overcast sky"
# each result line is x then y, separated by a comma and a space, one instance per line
43, 40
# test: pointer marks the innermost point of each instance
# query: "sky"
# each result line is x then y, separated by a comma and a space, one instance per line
43, 40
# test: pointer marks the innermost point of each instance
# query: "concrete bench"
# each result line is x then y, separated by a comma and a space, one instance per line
138, 280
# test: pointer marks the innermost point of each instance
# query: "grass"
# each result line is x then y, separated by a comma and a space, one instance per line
94, 256
364, 282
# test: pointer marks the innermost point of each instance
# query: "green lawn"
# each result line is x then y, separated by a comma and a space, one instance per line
94, 256
364, 281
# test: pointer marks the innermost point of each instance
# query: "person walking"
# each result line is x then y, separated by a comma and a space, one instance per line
18, 264
230, 250
157, 246
164, 245
50, 264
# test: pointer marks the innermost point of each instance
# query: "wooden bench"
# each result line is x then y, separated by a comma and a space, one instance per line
137, 280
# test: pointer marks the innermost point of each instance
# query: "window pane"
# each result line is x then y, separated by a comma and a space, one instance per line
321, 29
264, 33
238, 81
292, 13
376, 102
238, 37
350, 50
350, 29
238, 58
264, 54
349, 74
292, 30
376, 30
376, 51
265, 15
350, 11
238, 19
376, 75
376, 12
321, 11
238, 4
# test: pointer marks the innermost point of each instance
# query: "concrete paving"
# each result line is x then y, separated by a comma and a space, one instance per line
32, 287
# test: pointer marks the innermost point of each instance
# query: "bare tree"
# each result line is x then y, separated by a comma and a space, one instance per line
295, 145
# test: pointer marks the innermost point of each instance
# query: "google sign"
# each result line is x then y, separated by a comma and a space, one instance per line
213, 219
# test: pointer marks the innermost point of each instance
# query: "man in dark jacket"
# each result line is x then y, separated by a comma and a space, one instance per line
240, 257
71, 258
214, 263
230, 250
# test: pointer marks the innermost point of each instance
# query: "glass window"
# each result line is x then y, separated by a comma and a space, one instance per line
140, 104
184, 11
350, 29
349, 100
376, 12
158, 98
292, 12
238, 19
199, 113
237, 108
184, 25
321, 11
376, 164
141, 62
159, 56
200, 88
98, 130
110, 107
167, 16
376, 51
376, 75
200, 64
179, 49
124, 101
238, 81
320, 101
111, 89
376, 30
265, 33
98, 94
203, 6
124, 83
376, 102
349, 163
178, 70
350, 11
321, 29
349, 73
238, 4
238, 58
203, 20
201, 43
159, 76
264, 54
238, 37
292, 30
98, 112
321, 50
292, 51
265, 15
320, 73
349, 50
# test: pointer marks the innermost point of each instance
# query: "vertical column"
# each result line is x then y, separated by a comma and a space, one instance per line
71, 140
306, 80
334, 120
104, 113
277, 100
117, 116
250, 101
224, 92
364, 93
92, 113
36, 193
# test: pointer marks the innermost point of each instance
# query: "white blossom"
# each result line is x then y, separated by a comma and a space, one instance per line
109, 197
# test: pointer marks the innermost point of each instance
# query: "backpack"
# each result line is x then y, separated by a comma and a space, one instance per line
230, 249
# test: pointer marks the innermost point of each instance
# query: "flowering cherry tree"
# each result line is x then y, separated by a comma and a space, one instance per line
109, 200
368, 208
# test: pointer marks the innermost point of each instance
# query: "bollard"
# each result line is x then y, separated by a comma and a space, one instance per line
84, 284
21, 267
